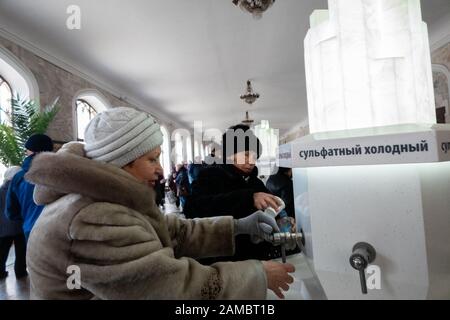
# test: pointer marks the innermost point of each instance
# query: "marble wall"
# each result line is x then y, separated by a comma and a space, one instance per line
54, 82
442, 56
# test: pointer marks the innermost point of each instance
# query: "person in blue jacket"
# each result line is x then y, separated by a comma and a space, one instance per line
19, 199
11, 233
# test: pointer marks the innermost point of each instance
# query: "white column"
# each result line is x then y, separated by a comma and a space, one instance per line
367, 65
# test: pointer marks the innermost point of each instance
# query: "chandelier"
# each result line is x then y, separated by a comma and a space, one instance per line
247, 121
255, 7
250, 97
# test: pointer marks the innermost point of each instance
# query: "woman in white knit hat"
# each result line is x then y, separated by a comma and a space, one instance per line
102, 236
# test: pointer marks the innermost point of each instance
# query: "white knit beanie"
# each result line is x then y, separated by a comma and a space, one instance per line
121, 135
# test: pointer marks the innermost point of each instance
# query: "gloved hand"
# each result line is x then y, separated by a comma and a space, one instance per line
258, 224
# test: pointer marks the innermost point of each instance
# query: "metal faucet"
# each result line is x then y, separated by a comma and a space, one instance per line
284, 239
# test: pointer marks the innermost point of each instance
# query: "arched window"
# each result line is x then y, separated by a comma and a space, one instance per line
5, 111
441, 82
202, 152
16, 79
85, 113
196, 149
165, 152
189, 149
269, 139
87, 104
19, 77
178, 149
5, 101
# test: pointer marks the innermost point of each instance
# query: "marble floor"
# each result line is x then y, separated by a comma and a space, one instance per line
12, 288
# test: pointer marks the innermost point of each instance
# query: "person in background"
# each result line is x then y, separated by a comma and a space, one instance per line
100, 216
233, 188
215, 157
160, 190
11, 233
183, 186
173, 186
194, 169
19, 199
280, 184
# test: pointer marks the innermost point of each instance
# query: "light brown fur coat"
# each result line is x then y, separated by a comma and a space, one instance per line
101, 220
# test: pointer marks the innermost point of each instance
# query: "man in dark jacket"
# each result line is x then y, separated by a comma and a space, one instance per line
183, 186
194, 169
19, 199
173, 193
234, 189
11, 233
160, 191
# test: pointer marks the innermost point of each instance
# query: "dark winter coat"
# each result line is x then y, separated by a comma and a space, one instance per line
182, 181
8, 228
160, 191
194, 171
19, 199
223, 190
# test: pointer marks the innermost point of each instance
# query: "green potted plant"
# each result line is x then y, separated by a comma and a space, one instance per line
26, 119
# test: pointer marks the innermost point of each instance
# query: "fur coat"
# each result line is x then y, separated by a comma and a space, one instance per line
101, 224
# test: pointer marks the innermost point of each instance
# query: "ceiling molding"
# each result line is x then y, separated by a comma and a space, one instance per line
299, 126
441, 33
102, 85
440, 43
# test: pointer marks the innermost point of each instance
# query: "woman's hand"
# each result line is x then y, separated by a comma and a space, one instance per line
278, 276
262, 201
